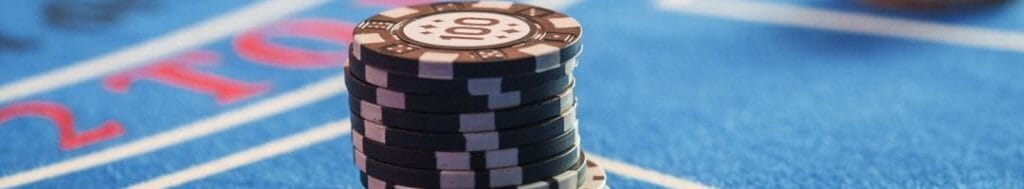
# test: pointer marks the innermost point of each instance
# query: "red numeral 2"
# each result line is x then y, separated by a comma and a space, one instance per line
64, 120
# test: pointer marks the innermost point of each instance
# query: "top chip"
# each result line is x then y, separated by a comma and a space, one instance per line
467, 39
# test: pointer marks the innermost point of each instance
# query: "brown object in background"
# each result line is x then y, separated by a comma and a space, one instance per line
932, 4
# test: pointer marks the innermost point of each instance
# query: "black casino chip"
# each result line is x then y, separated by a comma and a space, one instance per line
467, 39
467, 95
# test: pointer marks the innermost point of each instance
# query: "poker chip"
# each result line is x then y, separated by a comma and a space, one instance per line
594, 178
471, 141
467, 95
455, 103
457, 86
591, 176
464, 122
467, 39
584, 174
460, 160
499, 177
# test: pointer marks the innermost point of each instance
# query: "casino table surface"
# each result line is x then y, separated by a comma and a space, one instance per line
673, 93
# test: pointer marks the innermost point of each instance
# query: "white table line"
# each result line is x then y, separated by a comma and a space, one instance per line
306, 95
644, 174
860, 23
252, 155
180, 40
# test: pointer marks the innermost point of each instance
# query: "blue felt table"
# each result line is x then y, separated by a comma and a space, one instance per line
713, 98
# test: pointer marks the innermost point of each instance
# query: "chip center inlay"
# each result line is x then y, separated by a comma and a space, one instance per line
467, 30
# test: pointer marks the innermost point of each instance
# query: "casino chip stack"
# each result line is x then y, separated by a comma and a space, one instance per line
467, 95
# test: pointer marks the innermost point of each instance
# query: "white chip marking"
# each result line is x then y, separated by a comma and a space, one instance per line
404, 187
399, 12
568, 100
507, 176
460, 179
375, 132
452, 160
437, 65
376, 76
547, 56
503, 100
357, 141
368, 38
370, 111
861, 23
315, 92
477, 122
502, 157
375, 183
252, 155
564, 22
390, 98
438, 58
364, 38
360, 160
178, 41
